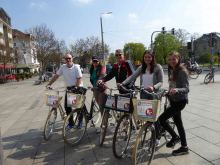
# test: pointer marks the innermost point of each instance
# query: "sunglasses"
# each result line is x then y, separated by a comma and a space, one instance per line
117, 55
95, 61
67, 58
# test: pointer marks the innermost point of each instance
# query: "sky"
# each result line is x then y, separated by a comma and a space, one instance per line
130, 21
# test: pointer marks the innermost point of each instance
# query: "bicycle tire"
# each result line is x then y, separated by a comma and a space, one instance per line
208, 78
122, 135
96, 114
199, 71
145, 138
193, 75
103, 127
50, 124
74, 135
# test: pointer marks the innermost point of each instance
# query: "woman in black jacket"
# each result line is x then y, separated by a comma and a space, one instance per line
178, 97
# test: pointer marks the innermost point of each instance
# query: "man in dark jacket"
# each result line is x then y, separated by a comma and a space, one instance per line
120, 70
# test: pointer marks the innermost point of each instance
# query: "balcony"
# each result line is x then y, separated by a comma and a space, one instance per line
2, 42
10, 45
9, 36
1, 29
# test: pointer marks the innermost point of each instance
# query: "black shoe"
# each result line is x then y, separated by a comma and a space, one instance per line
180, 151
173, 142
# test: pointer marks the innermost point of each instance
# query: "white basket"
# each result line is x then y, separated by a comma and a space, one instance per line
75, 100
146, 110
52, 100
123, 104
110, 102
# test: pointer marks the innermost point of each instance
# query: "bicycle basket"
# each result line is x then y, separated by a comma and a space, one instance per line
110, 102
52, 100
146, 110
75, 100
118, 103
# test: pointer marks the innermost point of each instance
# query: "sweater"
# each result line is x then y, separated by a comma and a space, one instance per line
158, 75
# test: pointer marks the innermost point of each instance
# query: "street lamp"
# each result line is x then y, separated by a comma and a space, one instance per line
103, 48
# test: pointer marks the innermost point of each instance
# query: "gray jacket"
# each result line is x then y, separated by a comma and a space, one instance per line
158, 75
182, 86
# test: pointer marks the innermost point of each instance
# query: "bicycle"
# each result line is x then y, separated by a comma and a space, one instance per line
210, 75
80, 115
126, 126
108, 113
145, 144
54, 103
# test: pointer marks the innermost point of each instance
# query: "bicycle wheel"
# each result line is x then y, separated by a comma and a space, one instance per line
193, 75
122, 136
103, 127
73, 135
144, 146
50, 124
208, 78
96, 114
199, 71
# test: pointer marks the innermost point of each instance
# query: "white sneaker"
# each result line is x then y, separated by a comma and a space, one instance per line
157, 143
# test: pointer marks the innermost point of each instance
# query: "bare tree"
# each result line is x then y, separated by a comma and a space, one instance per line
182, 35
45, 43
84, 49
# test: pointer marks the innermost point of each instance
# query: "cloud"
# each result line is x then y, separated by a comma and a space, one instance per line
82, 1
132, 17
38, 5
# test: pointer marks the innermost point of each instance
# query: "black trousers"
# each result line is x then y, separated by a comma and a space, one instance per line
174, 111
68, 109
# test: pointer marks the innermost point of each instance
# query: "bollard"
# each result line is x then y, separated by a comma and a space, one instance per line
1, 150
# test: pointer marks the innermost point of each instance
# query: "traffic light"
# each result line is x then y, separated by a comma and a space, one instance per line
189, 45
163, 30
173, 31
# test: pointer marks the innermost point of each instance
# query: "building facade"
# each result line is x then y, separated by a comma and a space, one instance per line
207, 44
6, 39
24, 50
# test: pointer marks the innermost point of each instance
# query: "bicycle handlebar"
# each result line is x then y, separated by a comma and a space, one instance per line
158, 95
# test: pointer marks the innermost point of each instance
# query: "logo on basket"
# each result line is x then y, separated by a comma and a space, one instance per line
74, 101
113, 105
55, 102
126, 106
149, 112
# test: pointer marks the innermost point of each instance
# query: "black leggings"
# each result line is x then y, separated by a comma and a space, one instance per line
174, 111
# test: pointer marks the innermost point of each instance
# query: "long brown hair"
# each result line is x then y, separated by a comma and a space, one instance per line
153, 62
177, 68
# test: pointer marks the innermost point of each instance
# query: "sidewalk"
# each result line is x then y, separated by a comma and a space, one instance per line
23, 113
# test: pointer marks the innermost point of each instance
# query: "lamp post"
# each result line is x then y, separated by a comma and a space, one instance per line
103, 48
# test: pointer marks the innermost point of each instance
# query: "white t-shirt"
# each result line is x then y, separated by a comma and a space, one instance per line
147, 79
70, 75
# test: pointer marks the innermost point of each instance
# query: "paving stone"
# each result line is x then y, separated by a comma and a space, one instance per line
206, 134
204, 149
25, 145
216, 162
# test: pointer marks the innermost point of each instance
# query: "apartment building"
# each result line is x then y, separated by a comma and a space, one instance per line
6, 40
24, 49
